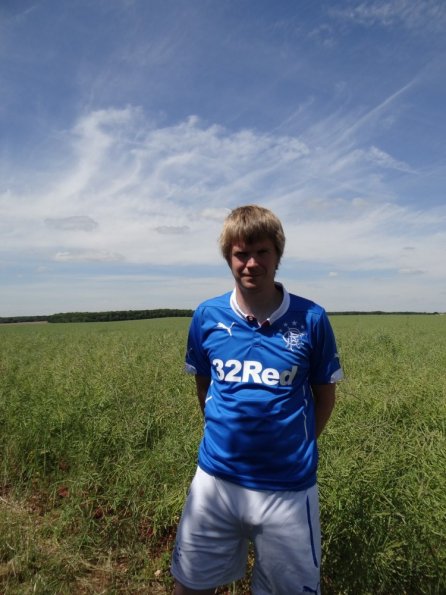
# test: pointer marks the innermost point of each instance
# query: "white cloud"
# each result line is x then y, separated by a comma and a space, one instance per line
154, 179
158, 196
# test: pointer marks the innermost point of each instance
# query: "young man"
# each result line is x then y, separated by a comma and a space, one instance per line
265, 364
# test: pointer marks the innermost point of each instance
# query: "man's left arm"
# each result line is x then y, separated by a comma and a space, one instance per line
324, 400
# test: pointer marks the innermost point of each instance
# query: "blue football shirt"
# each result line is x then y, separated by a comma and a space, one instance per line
259, 413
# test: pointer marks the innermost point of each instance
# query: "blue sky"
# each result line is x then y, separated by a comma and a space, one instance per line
130, 128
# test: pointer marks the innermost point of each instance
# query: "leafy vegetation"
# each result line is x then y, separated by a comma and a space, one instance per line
99, 430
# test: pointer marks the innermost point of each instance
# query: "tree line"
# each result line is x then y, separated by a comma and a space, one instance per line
113, 315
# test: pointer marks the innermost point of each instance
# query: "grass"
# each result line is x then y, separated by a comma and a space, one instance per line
99, 429
383, 458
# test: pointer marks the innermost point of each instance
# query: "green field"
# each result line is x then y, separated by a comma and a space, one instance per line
99, 429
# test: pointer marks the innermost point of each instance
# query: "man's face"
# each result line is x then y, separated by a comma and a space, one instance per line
254, 265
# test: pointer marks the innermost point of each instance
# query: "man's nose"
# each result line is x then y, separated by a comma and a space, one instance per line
251, 262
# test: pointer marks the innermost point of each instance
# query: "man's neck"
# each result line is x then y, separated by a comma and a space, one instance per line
259, 304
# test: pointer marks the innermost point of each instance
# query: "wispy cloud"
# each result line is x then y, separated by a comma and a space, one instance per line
383, 159
145, 187
412, 14
368, 119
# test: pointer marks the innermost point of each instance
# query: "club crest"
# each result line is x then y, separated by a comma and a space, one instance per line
293, 336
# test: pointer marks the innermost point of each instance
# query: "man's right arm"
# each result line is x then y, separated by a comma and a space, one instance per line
202, 383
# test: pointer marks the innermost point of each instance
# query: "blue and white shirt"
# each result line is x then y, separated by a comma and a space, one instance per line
259, 411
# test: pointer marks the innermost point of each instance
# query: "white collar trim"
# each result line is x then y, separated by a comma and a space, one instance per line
274, 316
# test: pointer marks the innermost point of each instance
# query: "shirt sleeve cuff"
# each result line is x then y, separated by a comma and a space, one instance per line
337, 376
190, 369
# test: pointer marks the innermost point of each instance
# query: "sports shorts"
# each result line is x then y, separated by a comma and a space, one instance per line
220, 518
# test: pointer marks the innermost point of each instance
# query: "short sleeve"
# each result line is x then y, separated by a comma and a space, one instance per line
196, 359
325, 367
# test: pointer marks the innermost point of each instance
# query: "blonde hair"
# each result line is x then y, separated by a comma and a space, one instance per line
250, 224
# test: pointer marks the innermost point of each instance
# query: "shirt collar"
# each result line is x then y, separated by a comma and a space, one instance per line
274, 316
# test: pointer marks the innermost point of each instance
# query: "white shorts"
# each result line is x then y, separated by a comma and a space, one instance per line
219, 519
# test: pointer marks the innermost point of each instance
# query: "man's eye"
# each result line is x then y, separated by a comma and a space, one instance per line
241, 254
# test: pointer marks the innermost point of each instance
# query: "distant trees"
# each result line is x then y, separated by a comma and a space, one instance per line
144, 314
115, 315
100, 316
16, 319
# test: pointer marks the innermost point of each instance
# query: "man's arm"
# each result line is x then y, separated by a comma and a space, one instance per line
324, 401
202, 383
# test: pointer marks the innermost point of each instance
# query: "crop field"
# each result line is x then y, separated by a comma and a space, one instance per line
99, 429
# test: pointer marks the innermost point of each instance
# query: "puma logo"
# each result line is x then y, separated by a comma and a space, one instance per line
226, 328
